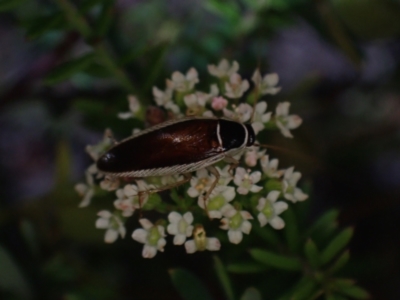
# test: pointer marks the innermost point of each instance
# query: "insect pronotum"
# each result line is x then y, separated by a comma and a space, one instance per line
178, 147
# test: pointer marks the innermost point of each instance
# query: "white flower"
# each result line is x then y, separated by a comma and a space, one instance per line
218, 201
270, 167
236, 86
252, 155
260, 118
164, 98
95, 151
134, 107
270, 209
224, 69
87, 190
128, 197
290, 191
284, 121
109, 183
241, 113
219, 103
180, 226
152, 236
236, 223
113, 223
225, 175
267, 84
184, 83
171, 179
246, 182
195, 104
201, 242
200, 183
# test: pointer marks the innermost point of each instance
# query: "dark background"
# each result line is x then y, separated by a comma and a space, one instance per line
338, 63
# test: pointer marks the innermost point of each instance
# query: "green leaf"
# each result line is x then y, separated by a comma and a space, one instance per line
267, 234
223, 278
251, 293
66, 70
340, 262
276, 260
228, 10
11, 277
312, 253
304, 289
246, 268
43, 24
188, 285
324, 221
6, 5
354, 292
336, 245
291, 230
104, 21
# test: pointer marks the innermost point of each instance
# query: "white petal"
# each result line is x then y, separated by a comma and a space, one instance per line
179, 239
190, 246
255, 188
280, 207
146, 224
246, 215
224, 224
149, 251
257, 126
213, 244
193, 192
172, 229
160, 244
125, 115
110, 236
235, 236
86, 200
229, 193
140, 235
282, 109
104, 214
122, 230
242, 190
130, 190
277, 223
285, 132
273, 196
102, 223
262, 219
271, 79
189, 230
188, 217
246, 227
294, 121
299, 195
261, 204
261, 107
174, 217
255, 176
215, 214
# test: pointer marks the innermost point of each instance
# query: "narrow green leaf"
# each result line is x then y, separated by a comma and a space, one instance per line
105, 18
336, 245
340, 262
354, 292
267, 234
312, 253
66, 70
304, 290
324, 221
291, 230
188, 285
223, 278
246, 268
251, 293
229, 10
11, 277
6, 5
43, 24
276, 260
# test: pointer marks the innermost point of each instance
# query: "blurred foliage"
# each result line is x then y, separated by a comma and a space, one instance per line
100, 50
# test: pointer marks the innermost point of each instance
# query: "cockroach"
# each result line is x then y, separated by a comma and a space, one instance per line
178, 147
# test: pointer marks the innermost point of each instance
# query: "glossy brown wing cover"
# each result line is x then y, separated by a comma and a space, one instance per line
176, 144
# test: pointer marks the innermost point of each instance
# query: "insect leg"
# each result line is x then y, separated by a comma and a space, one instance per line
215, 172
233, 163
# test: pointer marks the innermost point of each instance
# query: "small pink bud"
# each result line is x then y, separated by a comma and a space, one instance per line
219, 103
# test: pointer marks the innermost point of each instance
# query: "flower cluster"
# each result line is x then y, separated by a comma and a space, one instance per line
200, 199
